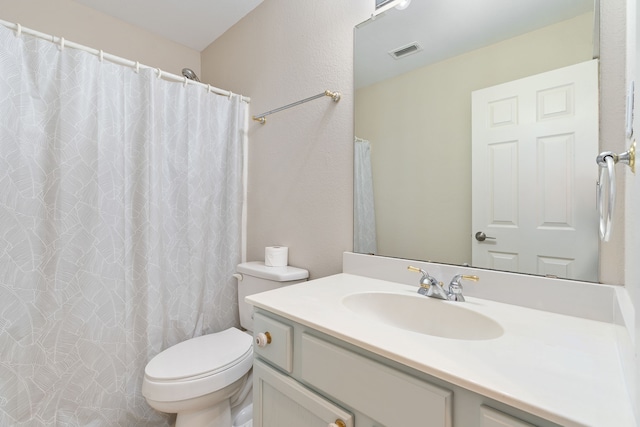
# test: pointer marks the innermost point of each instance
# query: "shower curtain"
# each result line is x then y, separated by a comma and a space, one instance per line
120, 214
364, 211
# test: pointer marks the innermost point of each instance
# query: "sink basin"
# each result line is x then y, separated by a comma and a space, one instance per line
417, 313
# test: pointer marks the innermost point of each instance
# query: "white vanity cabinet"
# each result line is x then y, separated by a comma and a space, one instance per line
303, 377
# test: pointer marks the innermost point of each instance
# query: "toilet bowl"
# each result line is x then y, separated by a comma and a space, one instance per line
207, 380
198, 378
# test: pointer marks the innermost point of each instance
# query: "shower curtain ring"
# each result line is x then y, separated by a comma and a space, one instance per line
159, 71
101, 55
137, 67
185, 82
18, 30
61, 43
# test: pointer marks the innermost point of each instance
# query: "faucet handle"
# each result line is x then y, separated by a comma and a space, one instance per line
426, 281
429, 285
455, 287
426, 277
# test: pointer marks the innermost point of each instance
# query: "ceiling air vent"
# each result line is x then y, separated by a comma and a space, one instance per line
380, 3
405, 50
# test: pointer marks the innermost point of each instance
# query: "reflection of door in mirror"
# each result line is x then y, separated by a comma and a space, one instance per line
533, 141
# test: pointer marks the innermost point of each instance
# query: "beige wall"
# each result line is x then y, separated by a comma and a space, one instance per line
421, 137
78, 23
300, 161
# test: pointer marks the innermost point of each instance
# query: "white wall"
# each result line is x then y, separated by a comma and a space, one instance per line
300, 161
80, 24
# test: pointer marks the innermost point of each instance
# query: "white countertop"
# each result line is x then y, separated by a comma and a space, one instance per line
561, 368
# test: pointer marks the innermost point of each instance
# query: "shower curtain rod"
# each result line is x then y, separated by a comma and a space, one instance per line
334, 95
19, 29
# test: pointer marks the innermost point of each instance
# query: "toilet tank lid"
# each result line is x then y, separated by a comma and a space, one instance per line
278, 274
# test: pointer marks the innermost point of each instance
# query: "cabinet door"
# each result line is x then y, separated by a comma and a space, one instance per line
391, 397
492, 418
279, 401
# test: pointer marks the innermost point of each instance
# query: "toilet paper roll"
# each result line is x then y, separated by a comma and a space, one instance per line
276, 256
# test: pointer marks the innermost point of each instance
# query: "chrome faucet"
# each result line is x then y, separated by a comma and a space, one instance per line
429, 285
455, 287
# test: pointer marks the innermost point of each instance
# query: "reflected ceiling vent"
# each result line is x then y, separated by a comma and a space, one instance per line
405, 50
381, 3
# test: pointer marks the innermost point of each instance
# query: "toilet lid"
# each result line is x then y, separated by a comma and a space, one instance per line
201, 356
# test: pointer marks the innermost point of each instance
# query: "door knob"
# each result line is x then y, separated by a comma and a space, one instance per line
481, 237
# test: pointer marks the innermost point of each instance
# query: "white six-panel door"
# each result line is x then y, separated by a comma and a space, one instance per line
534, 143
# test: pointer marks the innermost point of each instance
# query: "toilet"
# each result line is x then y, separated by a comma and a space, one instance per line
207, 380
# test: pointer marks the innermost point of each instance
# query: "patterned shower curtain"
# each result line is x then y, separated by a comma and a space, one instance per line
120, 229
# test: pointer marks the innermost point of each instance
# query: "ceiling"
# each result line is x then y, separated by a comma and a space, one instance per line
192, 23
447, 28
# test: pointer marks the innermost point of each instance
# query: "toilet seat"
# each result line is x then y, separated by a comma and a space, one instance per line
198, 366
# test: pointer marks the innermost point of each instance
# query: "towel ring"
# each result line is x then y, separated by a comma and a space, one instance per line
607, 161
607, 170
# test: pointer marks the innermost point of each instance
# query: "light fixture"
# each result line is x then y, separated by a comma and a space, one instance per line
403, 4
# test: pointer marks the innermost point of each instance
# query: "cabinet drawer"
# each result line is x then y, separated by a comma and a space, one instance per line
280, 350
390, 397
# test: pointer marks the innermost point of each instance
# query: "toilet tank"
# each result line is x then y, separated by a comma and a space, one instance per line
255, 277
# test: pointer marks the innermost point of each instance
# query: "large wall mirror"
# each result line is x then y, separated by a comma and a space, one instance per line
476, 130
